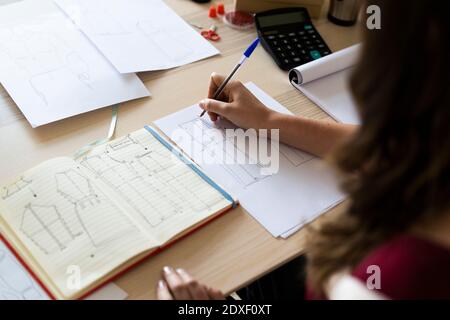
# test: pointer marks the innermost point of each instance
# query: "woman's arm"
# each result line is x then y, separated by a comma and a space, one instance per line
240, 106
318, 137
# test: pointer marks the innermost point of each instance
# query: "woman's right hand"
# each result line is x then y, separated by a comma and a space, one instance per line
237, 104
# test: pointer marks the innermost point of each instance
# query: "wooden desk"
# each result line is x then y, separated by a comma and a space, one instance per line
235, 249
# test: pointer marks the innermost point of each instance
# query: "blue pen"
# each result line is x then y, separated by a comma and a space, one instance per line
246, 55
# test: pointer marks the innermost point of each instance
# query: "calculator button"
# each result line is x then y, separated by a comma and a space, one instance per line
314, 36
321, 46
308, 43
310, 48
297, 60
294, 40
311, 31
278, 49
298, 46
271, 37
281, 36
293, 54
315, 54
292, 34
275, 43
308, 27
285, 41
288, 47
325, 53
301, 33
305, 38
287, 61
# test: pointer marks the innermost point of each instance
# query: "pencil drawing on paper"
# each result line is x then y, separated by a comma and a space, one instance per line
164, 40
46, 228
46, 59
142, 173
15, 282
244, 174
13, 188
67, 208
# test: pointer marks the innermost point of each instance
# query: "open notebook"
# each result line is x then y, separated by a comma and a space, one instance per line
105, 211
325, 82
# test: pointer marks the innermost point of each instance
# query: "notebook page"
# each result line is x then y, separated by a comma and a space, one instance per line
69, 225
164, 195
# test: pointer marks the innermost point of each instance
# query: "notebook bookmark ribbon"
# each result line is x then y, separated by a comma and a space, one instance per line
112, 129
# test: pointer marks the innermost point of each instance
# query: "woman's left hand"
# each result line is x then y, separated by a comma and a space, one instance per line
180, 285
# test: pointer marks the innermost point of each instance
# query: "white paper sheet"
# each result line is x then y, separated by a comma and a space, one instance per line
15, 282
325, 82
51, 70
138, 35
303, 188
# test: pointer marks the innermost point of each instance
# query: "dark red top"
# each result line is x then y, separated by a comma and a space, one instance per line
410, 268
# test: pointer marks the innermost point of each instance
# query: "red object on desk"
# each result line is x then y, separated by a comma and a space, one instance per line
210, 34
221, 9
212, 12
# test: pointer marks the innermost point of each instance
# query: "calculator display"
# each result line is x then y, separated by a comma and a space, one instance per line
280, 19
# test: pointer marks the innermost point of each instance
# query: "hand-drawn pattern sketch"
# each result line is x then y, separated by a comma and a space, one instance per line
45, 58
15, 282
78, 190
156, 37
144, 175
66, 207
164, 40
246, 173
46, 228
15, 187
294, 156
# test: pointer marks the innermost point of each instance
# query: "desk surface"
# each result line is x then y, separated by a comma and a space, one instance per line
233, 250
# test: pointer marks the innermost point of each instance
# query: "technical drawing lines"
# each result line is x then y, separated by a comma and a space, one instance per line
79, 191
295, 156
15, 282
143, 173
166, 42
15, 187
45, 58
208, 137
75, 188
46, 228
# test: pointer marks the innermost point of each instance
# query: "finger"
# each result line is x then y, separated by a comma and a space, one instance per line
175, 284
213, 116
216, 81
215, 294
218, 107
197, 291
162, 291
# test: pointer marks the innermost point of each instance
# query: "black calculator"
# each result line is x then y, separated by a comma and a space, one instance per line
290, 37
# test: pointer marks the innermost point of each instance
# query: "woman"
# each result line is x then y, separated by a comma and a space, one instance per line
394, 239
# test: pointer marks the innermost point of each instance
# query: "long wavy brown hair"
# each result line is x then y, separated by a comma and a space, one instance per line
396, 168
